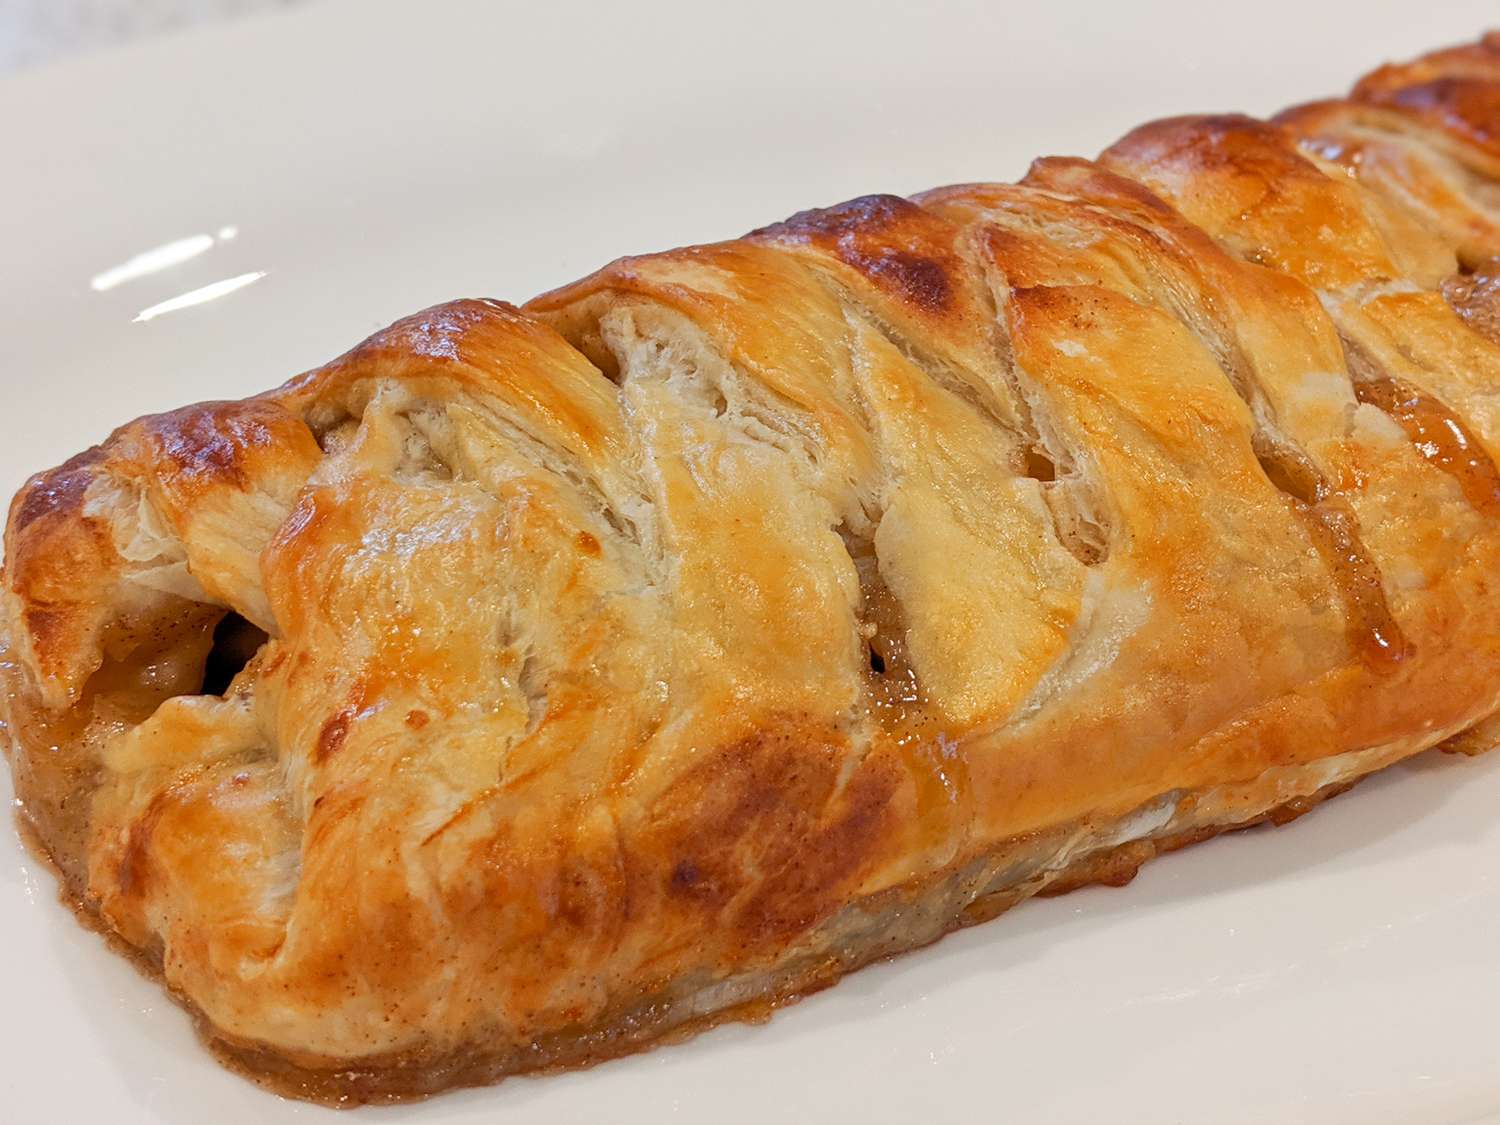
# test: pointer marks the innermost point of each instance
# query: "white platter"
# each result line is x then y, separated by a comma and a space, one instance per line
371, 158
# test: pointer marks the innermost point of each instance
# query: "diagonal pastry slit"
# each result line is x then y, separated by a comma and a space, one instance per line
894, 694
1437, 433
1076, 515
901, 705
1372, 630
1073, 502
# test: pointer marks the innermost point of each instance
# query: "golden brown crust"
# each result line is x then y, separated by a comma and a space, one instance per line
739, 614
662, 1019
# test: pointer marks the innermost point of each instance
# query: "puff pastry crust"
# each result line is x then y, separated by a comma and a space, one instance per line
666, 647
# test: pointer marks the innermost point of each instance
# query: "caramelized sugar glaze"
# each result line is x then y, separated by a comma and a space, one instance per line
1440, 436
741, 614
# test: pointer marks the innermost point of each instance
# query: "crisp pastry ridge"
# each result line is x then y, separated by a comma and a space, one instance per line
529, 684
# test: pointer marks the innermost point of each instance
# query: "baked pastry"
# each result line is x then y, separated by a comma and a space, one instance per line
527, 684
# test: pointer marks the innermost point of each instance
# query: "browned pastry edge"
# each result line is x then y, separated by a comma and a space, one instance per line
719, 885
655, 1021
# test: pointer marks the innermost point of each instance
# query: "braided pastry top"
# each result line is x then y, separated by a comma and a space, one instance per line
640, 639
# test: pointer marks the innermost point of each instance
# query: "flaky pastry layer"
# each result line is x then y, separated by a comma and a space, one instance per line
528, 684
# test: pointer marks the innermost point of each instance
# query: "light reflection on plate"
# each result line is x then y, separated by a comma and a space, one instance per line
204, 293
159, 258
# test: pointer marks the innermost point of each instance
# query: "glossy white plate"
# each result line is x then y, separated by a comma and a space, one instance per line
367, 159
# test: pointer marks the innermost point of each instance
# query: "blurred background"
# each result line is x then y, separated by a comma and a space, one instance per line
33, 31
